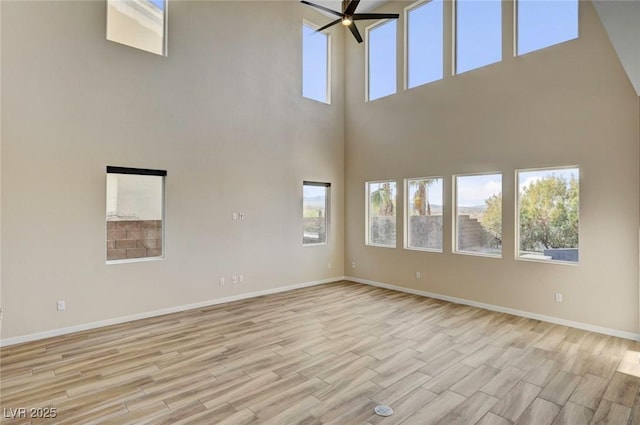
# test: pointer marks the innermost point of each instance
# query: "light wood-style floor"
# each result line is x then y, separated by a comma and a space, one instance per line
326, 355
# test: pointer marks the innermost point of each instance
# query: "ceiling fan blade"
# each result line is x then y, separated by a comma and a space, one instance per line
325, 9
361, 16
351, 7
329, 25
355, 32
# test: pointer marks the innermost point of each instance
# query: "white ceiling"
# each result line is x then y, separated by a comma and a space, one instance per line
364, 6
621, 19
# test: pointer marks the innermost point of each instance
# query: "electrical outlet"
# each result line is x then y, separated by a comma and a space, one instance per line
240, 278
234, 216
353, 264
417, 275
61, 305
222, 281
241, 216
558, 297
234, 279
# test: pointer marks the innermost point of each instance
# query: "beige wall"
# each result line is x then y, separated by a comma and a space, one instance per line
222, 114
571, 104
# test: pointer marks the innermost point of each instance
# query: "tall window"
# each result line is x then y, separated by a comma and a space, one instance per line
315, 212
315, 64
548, 214
479, 214
135, 211
424, 42
381, 213
543, 23
478, 33
423, 225
381, 54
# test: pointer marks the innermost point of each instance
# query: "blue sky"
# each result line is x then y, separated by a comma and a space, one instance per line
314, 64
424, 43
525, 178
474, 190
540, 23
382, 64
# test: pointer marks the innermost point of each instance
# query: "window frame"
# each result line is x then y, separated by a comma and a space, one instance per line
516, 220
408, 10
367, 235
140, 172
314, 27
454, 210
407, 219
327, 215
367, 70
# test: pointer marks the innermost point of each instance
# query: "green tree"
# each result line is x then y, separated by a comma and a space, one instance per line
491, 220
549, 214
420, 204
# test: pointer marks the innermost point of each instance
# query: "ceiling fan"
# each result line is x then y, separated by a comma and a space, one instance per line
348, 16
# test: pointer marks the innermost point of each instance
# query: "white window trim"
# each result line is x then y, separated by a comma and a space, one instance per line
329, 76
517, 216
454, 210
454, 38
406, 211
367, 235
367, 30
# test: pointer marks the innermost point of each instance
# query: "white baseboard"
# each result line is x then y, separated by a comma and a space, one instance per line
492, 307
93, 325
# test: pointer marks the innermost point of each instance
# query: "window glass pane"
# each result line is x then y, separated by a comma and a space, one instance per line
479, 214
381, 221
315, 202
478, 33
138, 23
424, 211
548, 219
381, 42
543, 23
315, 64
134, 216
424, 43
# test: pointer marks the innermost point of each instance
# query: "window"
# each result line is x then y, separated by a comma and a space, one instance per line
135, 209
315, 212
381, 60
478, 214
315, 64
423, 197
424, 49
548, 214
381, 213
543, 23
138, 23
478, 33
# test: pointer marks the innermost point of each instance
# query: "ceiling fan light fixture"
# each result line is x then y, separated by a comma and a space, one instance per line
346, 21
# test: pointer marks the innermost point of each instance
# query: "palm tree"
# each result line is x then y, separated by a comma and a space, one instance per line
381, 200
421, 205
